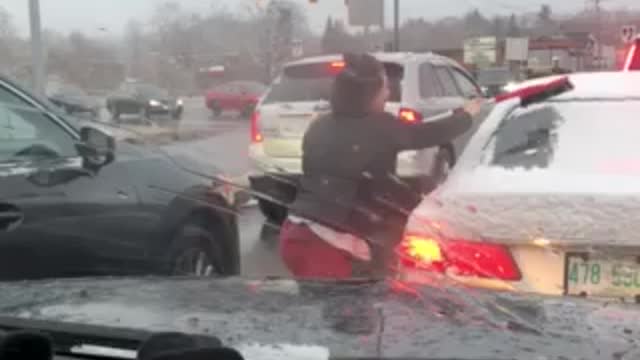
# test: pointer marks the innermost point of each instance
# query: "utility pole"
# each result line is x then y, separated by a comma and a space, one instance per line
599, 30
37, 51
396, 24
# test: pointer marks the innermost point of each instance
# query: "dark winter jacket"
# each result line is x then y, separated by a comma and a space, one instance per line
349, 166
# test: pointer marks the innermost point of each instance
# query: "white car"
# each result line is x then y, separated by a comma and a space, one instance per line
422, 85
544, 199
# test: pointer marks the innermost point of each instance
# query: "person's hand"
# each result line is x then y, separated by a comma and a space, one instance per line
473, 107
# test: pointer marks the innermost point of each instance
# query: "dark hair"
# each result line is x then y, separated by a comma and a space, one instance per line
356, 86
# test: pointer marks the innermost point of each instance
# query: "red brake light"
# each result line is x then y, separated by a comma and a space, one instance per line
461, 257
337, 65
409, 115
256, 135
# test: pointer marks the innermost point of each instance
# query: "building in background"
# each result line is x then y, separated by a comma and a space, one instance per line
574, 51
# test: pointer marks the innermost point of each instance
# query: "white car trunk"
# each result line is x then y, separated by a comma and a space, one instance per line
541, 230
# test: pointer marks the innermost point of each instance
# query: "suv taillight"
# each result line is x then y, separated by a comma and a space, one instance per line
256, 134
458, 257
409, 115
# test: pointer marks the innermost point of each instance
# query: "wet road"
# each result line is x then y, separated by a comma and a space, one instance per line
228, 150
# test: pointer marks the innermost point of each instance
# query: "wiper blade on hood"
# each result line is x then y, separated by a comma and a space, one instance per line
66, 336
73, 338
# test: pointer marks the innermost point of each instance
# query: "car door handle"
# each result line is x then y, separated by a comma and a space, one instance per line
10, 218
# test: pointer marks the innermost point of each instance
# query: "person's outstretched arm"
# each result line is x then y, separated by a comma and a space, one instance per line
435, 133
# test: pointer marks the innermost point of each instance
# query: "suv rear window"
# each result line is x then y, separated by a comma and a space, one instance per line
313, 82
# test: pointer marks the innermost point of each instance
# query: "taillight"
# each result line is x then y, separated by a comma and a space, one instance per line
337, 65
459, 258
256, 134
410, 115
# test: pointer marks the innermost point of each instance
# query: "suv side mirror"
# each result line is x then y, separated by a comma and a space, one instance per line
96, 147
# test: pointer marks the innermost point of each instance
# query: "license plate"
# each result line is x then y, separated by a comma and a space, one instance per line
611, 277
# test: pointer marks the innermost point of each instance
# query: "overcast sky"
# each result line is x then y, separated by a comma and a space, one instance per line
89, 15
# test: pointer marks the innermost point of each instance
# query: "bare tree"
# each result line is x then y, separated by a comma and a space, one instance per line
7, 40
136, 51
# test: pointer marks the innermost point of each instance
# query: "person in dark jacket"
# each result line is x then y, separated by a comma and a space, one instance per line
351, 208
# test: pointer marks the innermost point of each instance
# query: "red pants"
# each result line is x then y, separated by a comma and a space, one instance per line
306, 255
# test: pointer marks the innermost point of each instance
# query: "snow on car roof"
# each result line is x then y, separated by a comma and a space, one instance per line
594, 140
588, 189
588, 144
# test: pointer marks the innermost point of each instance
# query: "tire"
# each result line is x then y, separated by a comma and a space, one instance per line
115, 113
145, 117
177, 115
247, 111
215, 110
443, 165
275, 213
195, 252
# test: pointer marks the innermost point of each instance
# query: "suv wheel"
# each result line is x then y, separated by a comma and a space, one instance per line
216, 110
275, 213
194, 254
115, 113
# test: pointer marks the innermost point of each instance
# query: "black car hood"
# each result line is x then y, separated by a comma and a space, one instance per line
315, 320
76, 101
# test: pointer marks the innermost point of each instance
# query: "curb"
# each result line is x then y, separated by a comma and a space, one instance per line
164, 136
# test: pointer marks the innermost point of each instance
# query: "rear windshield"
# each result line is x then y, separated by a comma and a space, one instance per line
597, 137
313, 82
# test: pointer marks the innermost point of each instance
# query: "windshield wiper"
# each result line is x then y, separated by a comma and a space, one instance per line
79, 339
66, 336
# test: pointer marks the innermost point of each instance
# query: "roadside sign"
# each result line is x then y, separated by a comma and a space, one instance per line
480, 51
517, 49
366, 12
628, 33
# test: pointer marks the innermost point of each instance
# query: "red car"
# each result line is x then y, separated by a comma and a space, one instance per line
241, 96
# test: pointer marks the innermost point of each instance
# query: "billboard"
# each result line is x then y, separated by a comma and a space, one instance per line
480, 51
366, 12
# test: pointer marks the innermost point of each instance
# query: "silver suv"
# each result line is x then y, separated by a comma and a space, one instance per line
422, 85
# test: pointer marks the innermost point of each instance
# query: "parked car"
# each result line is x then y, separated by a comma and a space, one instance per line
145, 100
241, 96
544, 198
75, 203
422, 86
73, 100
